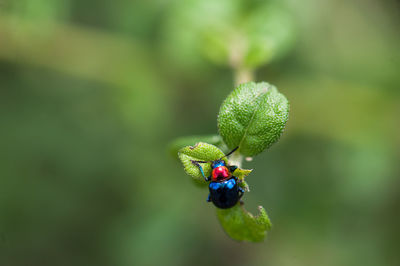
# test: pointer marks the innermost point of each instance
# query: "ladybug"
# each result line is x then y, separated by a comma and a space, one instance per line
224, 188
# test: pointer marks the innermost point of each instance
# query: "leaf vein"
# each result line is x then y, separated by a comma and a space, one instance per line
252, 118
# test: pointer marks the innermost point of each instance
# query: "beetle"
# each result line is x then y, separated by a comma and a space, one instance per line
224, 188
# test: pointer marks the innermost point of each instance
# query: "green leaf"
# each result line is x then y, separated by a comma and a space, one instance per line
177, 144
242, 225
238, 33
270, 34
241, 174
199, 152
253, 117
199, 29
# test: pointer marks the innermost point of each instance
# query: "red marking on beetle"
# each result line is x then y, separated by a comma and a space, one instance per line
220, 173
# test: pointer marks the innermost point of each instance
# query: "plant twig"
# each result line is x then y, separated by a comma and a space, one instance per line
242, 75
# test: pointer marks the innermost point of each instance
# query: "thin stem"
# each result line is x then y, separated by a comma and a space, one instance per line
242, 75
237, 52
236, 159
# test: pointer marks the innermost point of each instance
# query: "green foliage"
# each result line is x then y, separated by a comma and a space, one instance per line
238, 33
253, 117
242, 225
177, 144
82, 164
41, 9
241, 174
237, 222
204, 152
199, 152
269, 32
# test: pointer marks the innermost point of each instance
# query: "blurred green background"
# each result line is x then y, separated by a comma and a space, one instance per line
92, 92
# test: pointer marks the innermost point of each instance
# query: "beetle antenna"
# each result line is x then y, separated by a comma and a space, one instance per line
232, 151
200, 161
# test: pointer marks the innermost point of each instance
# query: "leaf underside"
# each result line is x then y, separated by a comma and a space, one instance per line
241, 174
199, 152
177, 144
241, 225
206, 152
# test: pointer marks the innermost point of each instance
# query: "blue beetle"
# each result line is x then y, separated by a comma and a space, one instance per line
224, 188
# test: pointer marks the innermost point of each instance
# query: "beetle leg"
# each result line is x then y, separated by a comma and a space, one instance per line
241, 192
232, 168
209, 198
201, 170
